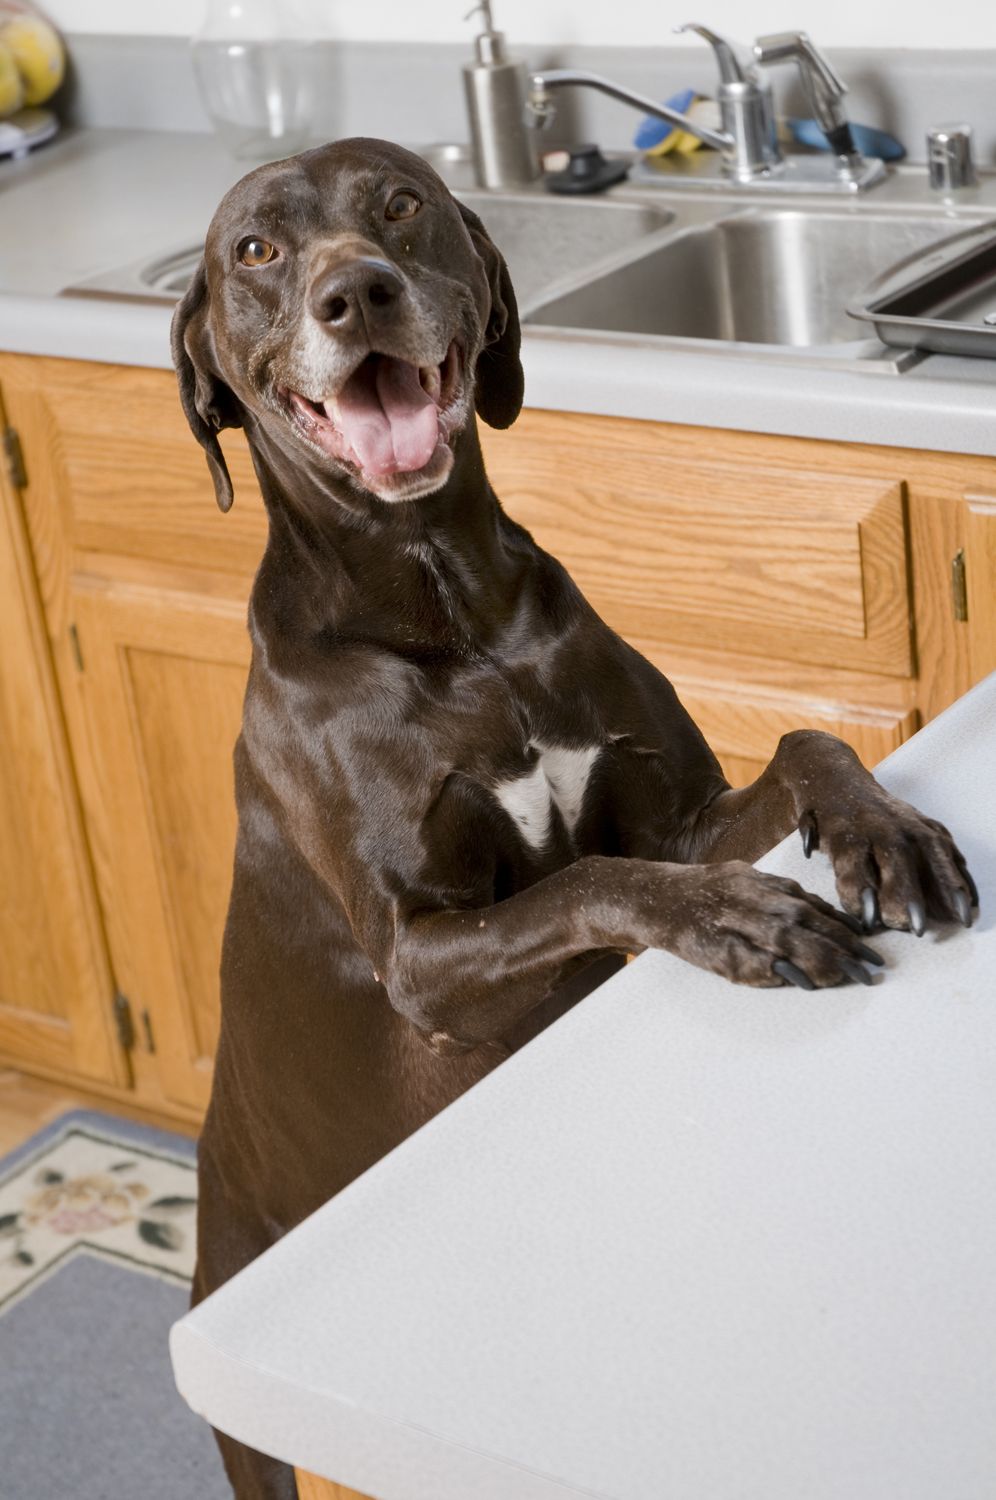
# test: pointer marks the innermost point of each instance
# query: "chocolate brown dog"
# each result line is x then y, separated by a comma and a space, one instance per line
461, 797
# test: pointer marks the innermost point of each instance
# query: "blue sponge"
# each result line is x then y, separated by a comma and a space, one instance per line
868, 140
651, 131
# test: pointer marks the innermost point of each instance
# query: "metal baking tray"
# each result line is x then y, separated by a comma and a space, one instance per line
941, 300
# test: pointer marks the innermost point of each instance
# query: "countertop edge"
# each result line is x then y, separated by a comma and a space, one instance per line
305, 1420
952, 414
98, 329
324, 1433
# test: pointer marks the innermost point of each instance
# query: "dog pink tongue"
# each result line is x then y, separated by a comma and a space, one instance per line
386, 417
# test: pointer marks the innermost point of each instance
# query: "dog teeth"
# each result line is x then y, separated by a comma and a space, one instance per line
431, 380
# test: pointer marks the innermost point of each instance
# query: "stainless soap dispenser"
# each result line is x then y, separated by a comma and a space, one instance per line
505, 152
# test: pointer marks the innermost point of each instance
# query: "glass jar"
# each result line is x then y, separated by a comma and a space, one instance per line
255, 64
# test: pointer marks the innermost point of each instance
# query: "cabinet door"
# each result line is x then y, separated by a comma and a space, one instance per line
980, 581
311, 1487
162, 685
744, 727
56, 990
744, 706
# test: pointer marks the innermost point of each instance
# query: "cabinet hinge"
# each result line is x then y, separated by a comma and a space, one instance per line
14, 458
74, 641
123, 1021
959, 585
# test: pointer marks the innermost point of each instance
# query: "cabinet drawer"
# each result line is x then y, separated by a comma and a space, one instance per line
675, 542
112, 455
806, 565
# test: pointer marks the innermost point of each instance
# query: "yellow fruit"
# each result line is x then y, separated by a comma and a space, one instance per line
11, 87
39, 54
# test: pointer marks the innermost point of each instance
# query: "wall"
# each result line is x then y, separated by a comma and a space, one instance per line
847, 23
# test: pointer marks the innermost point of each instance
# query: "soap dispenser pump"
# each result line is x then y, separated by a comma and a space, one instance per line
504, 149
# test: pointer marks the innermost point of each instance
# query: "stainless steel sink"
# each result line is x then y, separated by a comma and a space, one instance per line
770, 278
542, 238
670, 271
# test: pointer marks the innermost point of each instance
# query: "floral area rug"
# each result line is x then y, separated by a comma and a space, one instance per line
96, 1255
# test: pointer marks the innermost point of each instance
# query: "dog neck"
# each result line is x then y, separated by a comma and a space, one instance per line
436, 573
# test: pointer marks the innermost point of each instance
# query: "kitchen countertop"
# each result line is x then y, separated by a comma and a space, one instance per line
98, 199
693, 1240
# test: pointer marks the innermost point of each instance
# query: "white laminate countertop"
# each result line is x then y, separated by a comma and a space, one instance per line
96, 200
694, 1242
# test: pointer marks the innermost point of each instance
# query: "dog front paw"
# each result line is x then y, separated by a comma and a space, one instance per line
894, 867
766, 931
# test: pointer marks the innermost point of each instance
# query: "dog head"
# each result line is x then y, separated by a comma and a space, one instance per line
357, 312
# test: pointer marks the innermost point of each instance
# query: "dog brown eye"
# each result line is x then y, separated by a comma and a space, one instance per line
403, 206
256, 252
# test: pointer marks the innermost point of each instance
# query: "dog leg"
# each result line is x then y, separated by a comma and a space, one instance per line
467, 977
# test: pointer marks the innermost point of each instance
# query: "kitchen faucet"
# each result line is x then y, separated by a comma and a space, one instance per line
747, 140
825, 89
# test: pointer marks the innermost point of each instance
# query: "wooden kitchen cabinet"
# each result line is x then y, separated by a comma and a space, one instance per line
311, 1487
803, 561
144, 587
56, 987
163, 680
744, 709
978, 601
778, 582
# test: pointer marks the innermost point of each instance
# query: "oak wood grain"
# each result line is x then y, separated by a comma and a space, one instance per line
778, 581
808, 565
55, 981
311, 1487
163, 686
980, 570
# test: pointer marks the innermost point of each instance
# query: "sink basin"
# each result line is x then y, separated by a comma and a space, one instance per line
758, 279
769, 278
542, 238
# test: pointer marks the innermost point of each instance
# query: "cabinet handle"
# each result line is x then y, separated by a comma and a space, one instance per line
14, 456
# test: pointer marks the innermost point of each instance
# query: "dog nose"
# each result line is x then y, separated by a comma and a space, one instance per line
361, 291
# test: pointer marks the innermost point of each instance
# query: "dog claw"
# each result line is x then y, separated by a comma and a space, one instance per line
963, 907
849, 921
868, 955
869, 908
809, 834
917, 916
792, 975
856, 971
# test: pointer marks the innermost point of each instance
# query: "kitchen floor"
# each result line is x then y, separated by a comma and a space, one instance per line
28, 1103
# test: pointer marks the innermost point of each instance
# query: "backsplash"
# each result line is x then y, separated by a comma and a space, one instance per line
637, 23
412, 92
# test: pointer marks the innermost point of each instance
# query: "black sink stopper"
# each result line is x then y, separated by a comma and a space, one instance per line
587, 171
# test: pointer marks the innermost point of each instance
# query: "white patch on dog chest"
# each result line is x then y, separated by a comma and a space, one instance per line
558, 779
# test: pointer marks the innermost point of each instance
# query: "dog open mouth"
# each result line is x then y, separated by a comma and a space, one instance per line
389, 417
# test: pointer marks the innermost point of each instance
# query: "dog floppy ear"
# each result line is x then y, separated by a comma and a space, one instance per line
499, 379
208, 403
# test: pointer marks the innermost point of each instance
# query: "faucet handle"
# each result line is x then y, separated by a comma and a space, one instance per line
787, 46
730, 70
